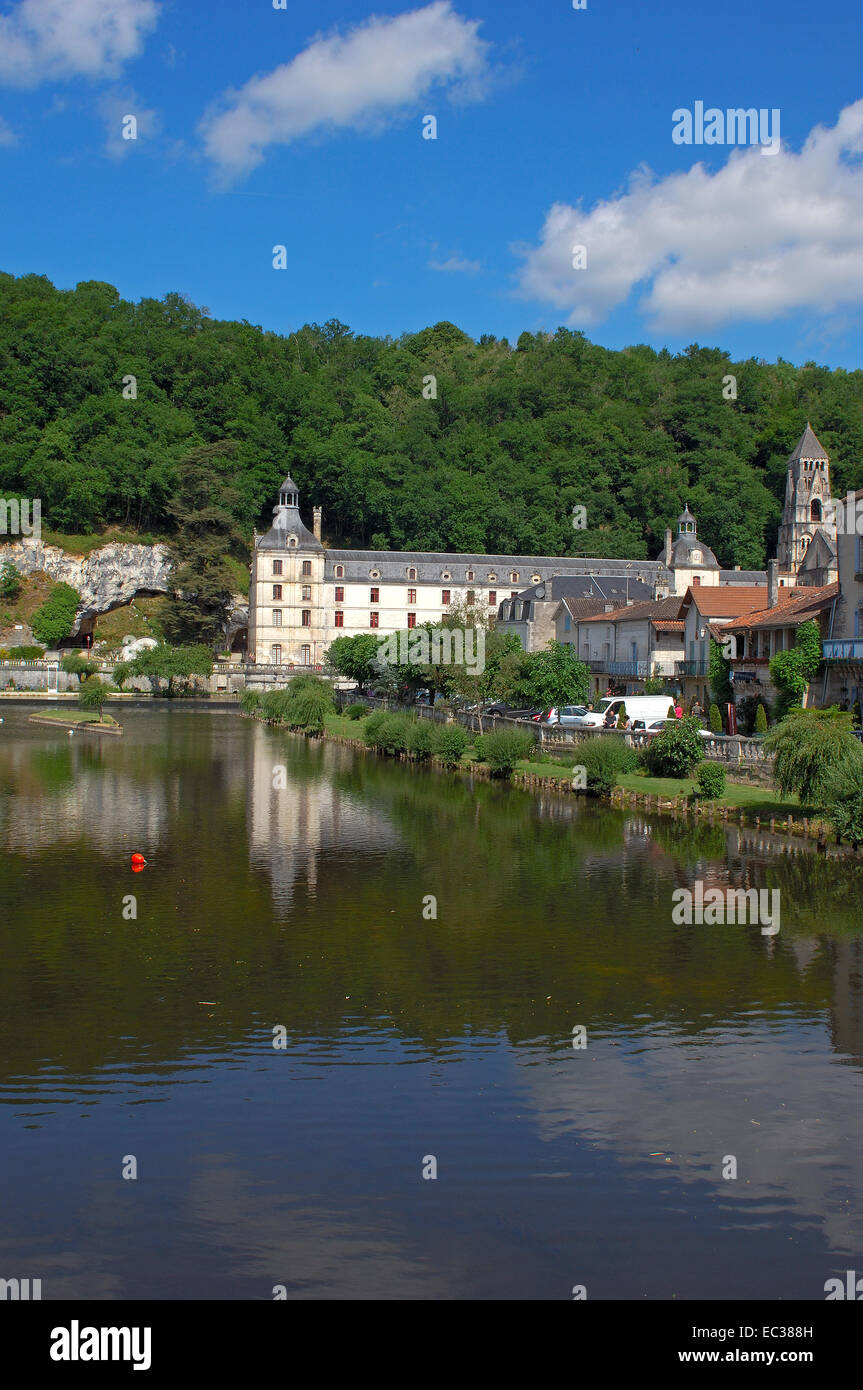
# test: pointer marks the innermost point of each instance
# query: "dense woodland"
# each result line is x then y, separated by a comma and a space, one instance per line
517, 436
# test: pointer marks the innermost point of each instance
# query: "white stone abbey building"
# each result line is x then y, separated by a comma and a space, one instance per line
303, 595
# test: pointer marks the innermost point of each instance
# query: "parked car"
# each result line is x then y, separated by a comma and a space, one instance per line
637, 707
568, 716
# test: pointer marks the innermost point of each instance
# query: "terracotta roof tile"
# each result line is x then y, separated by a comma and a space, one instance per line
806, 604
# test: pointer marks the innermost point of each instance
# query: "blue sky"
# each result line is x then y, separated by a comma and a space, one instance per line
303, 126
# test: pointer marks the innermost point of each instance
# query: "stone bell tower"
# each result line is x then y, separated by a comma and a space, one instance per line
807, 511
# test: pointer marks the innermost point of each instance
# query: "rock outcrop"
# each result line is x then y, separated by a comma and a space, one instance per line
107, 578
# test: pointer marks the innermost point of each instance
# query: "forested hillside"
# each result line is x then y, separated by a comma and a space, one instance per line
516, 437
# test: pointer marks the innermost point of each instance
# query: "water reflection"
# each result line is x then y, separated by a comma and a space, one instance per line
301, 905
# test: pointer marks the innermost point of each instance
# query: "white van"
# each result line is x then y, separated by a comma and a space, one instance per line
647, 707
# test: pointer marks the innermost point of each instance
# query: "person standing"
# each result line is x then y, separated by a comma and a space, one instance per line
678, 710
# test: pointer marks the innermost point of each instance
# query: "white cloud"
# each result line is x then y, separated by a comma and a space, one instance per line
115, 107
373, 74
458, 264
51, 40
7, 134
757, 239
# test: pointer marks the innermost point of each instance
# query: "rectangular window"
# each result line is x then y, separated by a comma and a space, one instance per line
567, 623
307, 568
470, 597
276, 655
374, 596
412, 619
492, 598
277, 567
306, 655
444, 598
513, 593
340, 594
373, 619
469, 575
277, 591
340, 618
412, 595
277, 617
307, 591
307, 617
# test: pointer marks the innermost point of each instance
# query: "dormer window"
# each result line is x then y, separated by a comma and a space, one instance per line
292, 541
696, 556
340, 571
513, 578
492, 579
469, 575
535, 578
374, 574
412, 574
445, 574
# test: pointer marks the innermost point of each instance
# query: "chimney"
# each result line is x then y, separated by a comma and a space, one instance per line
666, 559
772, 583
317, 513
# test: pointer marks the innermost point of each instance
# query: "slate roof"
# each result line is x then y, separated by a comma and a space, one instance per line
668, 608
808, 446
580, 608
432, 565
287, 523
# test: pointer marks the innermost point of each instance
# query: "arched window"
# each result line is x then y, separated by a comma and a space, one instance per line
815, 510
412, 574
340, 571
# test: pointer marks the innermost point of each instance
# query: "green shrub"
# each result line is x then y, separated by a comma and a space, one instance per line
715, 719
371, 726
421, 741
450, 741
604, 759
53, 621
275, 705
504, 748
250, 700
308, 706
675, 750
390, 734
812, 748
761, 720
711, 780
844, 794
357, 711
21, 653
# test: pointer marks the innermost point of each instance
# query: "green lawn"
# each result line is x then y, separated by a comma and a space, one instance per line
73, 716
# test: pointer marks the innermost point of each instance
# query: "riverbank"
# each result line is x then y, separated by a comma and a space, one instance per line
743, 804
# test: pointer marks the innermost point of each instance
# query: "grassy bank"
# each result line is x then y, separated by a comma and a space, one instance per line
71, 716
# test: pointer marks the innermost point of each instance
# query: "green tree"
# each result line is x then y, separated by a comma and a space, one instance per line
761, 720
93, 694
810, 747
203, 510
552, 677
53, 621
719, 675
76, 664
11, 581
715, 719
355, 658
176, 665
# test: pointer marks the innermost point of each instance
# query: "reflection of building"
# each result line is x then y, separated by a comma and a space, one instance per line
295, 820
843, 646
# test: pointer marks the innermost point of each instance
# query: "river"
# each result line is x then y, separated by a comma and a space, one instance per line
412, 1037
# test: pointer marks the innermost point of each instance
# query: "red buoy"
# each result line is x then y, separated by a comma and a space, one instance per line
138, 861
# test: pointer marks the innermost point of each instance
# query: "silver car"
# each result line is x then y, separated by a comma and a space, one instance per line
568, 716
